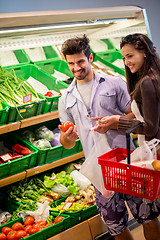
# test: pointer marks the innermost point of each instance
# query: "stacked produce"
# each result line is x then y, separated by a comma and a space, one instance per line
42, 137
13, 89
16, 151
22, 229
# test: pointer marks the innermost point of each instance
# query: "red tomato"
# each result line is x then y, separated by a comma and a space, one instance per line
29, 221
66, 125
11, 235
28, 228
40, 223
20, 234
17, 226
6, 230
34, 230
3, 236
58, 219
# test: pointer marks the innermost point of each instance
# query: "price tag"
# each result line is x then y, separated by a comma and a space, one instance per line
77, 166
6, 157
47, 194
53, 178
67, 205
62, 90
90, 202
27, 98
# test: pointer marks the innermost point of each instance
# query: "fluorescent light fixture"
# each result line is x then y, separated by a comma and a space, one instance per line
59, 26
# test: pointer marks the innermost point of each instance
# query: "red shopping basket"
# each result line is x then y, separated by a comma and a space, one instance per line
126, 178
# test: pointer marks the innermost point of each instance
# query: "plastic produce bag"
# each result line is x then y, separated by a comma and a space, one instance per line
56, 137
91, 169
42, 213
80, 180
4, 216
61, 189
42, 144
44, 133
147, 151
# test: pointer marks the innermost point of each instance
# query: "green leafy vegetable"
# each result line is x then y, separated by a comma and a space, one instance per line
62, 178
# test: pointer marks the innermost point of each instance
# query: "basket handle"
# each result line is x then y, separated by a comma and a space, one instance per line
128, 140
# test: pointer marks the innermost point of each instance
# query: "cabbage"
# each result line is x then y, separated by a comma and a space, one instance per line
42, 144
44, 133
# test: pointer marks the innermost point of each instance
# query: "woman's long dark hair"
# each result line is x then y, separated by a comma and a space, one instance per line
151, 66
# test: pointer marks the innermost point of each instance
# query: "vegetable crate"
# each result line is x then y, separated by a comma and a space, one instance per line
50, 103
39, 54
4, 114
46, 232
52, 154
126, 178
109, 45
20, 164
20, 56
108, 58
57, 68
78, 215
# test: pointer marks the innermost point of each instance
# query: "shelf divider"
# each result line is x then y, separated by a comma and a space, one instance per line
48, 166
9, 127
38, 119
12, 179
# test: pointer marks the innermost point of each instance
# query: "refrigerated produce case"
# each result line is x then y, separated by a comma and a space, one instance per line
32, 40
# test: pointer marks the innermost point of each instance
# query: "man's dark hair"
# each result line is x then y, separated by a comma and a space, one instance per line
76, 45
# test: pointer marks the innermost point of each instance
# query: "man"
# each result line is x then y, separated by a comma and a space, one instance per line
91, 95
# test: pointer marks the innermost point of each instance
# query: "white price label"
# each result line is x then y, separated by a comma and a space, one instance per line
27, 98
6, 157
67, 205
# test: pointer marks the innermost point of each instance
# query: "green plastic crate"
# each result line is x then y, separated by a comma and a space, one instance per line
31, 109
51, 103
77, 148
47, 155
47, 232
4, 114
22, 58
89, 212
55, 65
109, 44
108, 58
20, 164
77, 216
54, 153
49, 52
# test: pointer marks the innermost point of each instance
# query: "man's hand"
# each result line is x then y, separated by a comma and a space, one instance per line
69, 137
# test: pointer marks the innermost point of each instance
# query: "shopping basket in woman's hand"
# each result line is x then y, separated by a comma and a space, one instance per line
126, 178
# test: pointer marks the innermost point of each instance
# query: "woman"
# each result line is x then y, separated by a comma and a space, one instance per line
142, 66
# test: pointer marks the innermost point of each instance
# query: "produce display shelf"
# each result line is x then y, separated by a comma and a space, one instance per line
28, 122
38, 169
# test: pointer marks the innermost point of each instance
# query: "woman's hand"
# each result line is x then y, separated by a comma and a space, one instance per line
106, 123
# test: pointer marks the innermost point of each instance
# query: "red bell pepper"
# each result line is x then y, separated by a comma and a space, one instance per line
21, 150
